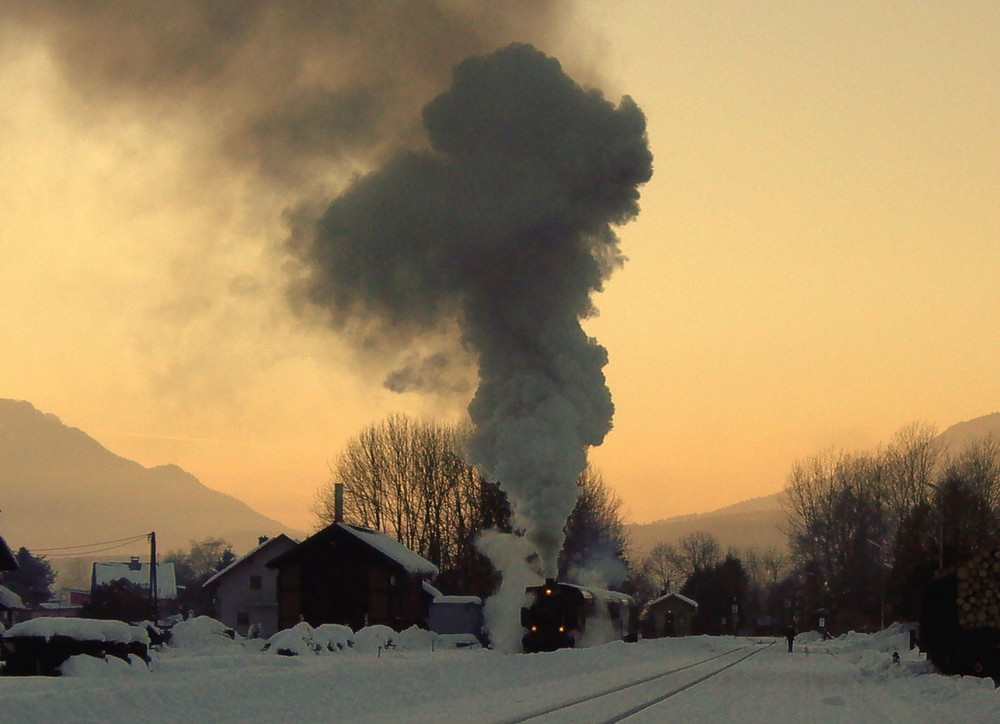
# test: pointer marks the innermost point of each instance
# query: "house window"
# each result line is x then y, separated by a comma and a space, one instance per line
242, 618
255, 583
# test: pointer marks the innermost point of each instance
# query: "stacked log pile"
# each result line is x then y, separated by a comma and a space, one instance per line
978, 596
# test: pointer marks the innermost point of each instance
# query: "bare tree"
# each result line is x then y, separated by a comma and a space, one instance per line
912, 462
407, 478
660, 567
696, 551
773, 563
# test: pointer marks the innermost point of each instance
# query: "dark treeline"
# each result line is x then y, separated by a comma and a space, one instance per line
866, 532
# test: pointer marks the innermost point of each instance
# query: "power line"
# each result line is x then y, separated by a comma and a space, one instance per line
84, 548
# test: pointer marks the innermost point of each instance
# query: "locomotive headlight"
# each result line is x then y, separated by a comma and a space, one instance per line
548, 591
562, 629
534, 628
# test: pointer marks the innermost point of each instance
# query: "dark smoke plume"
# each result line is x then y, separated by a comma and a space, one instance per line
289, 87
504, 227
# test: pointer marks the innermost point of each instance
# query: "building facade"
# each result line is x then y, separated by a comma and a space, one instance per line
245, 593
353, 576
669, 615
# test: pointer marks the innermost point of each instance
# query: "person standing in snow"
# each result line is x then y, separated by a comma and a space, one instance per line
790, 635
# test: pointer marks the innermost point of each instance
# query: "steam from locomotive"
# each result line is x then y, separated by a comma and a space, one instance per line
502, 231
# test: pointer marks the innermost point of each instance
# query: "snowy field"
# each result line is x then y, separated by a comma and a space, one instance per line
206, 677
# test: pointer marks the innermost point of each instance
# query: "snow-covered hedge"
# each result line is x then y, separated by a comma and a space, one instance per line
79, 629
304, 639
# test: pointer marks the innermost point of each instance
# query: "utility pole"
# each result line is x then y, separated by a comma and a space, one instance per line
881, 567
152, 575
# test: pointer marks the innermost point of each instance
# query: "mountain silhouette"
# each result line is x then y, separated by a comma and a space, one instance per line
760, 522
59, 487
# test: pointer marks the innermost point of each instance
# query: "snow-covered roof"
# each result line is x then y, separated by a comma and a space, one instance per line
79, 629
10, 600
430, 590
456, 600
600, 594
7, 560
138, 573
683, 599
392, 549
264, 545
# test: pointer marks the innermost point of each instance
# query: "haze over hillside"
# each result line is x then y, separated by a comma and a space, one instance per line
751, 523
59, 487
759, 522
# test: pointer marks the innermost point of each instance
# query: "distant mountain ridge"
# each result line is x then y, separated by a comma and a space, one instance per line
60, 487
757, 523
760, 522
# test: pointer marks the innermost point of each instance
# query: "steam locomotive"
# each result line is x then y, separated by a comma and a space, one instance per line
564, 615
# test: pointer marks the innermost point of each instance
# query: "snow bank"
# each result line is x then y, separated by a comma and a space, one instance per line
849, 679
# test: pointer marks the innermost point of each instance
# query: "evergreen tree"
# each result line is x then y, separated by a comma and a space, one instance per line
32, 580
119, 600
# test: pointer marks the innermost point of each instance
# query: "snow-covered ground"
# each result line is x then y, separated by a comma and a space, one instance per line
207, 677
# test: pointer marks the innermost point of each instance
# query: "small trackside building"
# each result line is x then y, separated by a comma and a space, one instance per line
353, 576
669, 615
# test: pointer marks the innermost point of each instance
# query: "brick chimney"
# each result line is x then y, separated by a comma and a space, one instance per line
338, 503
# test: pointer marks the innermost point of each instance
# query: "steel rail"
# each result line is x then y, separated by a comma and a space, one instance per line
639, 682
663, 697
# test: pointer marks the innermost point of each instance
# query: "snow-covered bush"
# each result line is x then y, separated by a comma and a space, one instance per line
201, 633
415, 638
370, 639
94, 667
333, 637
293, 641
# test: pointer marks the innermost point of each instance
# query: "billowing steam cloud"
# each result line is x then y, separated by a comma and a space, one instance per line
501, 231
288, 87
256, 106
503, 227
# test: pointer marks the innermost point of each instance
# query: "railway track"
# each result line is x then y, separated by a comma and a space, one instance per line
619, 703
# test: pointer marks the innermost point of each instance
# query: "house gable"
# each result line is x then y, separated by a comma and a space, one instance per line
245, 593
7, 560
354, 576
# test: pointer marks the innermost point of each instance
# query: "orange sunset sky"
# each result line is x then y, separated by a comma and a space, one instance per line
816, 262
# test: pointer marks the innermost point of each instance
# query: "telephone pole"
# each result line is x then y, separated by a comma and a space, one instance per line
152, 575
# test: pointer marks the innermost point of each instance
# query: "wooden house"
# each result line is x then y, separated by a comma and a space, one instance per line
245, 593
669, 615
12, 608
7, 560
11, 605
353, 576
